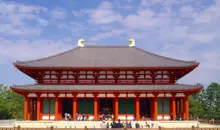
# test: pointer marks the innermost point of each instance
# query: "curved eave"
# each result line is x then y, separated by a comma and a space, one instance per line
189, 91
18, 66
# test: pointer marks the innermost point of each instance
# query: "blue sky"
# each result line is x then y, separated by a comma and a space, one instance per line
182, 29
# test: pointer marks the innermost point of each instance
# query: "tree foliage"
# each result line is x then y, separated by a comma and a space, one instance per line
206, 104
11, 104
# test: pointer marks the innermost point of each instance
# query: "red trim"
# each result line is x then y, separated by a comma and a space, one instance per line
105, 68
38, 74
191, 91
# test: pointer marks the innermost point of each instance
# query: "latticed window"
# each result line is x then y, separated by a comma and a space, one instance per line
122, 106
49, 106
86, 106
163, 105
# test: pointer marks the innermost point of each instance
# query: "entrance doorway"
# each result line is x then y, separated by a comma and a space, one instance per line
33, 109
145, 108
106, 106
67, 106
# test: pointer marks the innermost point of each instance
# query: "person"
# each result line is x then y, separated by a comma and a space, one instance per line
101, 117
77, 116
70, 118
134, 119
87, 117
113, 118
147, 125
119, 124
83, 117
103, 125
65, 116
113, 124
129, 125
123, 123
152, 125
80, 117
137, 125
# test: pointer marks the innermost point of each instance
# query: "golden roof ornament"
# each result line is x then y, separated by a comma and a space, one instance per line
132, 42
80, 43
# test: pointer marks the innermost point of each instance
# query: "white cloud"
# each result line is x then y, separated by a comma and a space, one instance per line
58, 13
104, 14
150, 2
12, 7
8, 29
15, 17
142, 20
81, 12
11, 51
104, 35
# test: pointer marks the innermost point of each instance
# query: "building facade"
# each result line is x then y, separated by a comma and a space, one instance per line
121, 80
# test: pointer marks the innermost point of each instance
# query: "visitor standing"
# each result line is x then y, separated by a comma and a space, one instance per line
83, 117
137, 125
129, 125
119, 124
65, 116
103, 125
77, 116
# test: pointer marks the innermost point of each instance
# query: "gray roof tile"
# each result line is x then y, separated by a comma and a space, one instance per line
35, 87
106, 56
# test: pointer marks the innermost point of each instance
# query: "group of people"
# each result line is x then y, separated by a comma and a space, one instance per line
82, 117
126, 124
107, 117
67, 117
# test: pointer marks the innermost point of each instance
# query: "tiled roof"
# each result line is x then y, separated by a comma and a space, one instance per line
106, 56
172, 87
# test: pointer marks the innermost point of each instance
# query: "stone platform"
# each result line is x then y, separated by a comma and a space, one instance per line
96, 124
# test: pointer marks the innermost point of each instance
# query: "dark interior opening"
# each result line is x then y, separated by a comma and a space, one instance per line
106, 106
33, 109
145, 108
67, 106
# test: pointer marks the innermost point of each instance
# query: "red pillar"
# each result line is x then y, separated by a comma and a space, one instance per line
137, 106
186, 107
155, 106
116, 105
25, 106
95, 106
38, 106
173, 102
74, 105
56, 107
28, 109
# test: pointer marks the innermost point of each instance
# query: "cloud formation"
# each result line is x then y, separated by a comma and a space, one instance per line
182, 29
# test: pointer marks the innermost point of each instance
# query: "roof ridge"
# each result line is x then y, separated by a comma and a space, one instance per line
165, 56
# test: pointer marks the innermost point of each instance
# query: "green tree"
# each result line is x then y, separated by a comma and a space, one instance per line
211, 101
195, 107
11, 104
